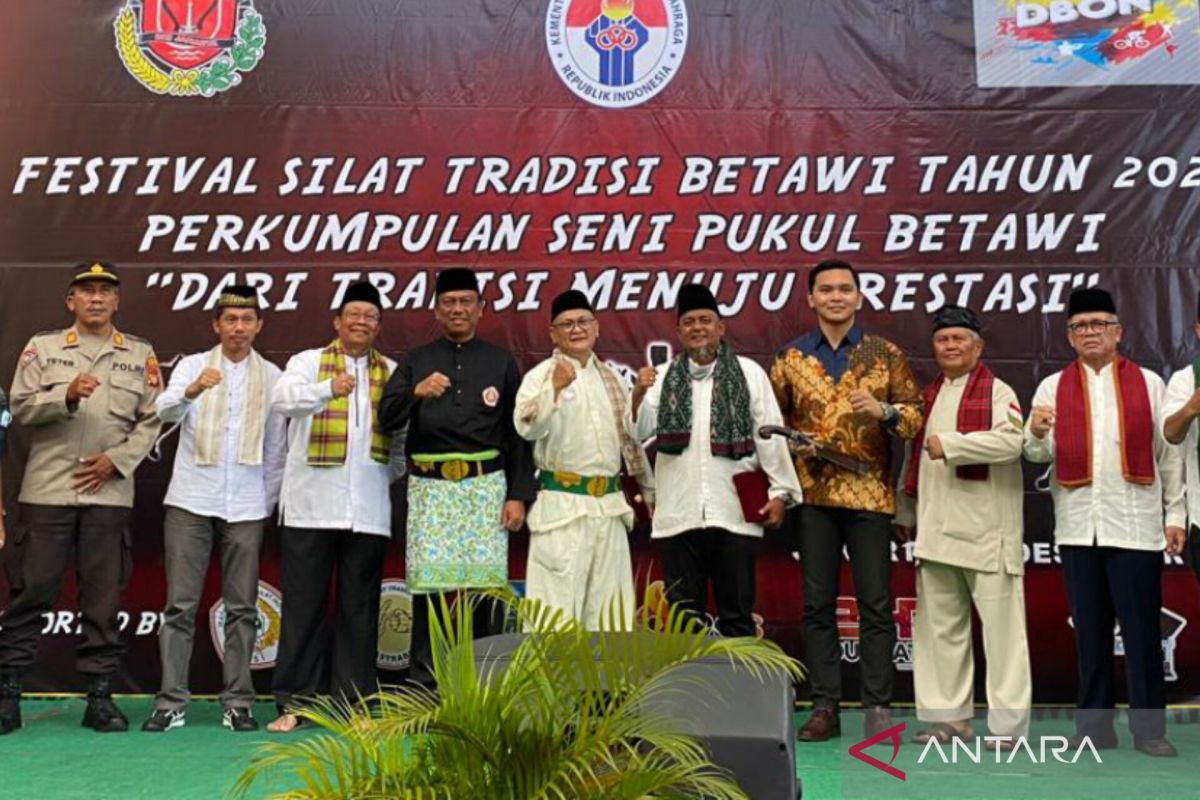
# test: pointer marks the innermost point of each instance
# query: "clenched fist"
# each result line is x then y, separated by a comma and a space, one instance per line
433, 386
563, 375
1041, 421
206, 380
81, 387
343, 385
933, 446
645, 379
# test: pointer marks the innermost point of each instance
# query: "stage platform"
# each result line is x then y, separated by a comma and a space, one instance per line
55, 759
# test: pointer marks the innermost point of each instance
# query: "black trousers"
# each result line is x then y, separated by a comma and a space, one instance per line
692, 558
1191, 550
311, 656
486, 620
100, 539
866, 535
1106, 584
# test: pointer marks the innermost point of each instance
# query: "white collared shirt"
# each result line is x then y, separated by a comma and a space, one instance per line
230, 491
575, 433
1179, 390
695, 489
353, 496
1111, 511
972, 524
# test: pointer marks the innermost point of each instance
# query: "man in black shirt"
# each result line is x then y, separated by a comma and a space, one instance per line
470, 474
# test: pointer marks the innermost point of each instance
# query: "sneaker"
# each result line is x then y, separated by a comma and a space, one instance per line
239, 720
163, 720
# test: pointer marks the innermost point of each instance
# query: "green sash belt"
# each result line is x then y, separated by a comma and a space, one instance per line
587, 485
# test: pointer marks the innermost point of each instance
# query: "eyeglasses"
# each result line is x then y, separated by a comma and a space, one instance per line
361, 316
1092, 326
568, 325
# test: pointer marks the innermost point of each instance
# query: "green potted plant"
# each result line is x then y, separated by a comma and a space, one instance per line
572, 715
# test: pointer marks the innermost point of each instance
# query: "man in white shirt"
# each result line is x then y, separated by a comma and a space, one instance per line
1181, 410
575, 410
705, 410
961, 492
336, 510
228, 468
1116, 479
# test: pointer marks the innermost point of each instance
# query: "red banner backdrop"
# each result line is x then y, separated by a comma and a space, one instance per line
623, 147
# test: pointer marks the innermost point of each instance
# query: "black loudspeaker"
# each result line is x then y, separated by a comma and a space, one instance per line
747, 723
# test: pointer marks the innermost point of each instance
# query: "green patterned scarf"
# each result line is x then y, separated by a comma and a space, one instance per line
327, 442
732, 428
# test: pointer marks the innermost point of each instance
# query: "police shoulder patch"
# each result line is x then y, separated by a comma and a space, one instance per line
153, 376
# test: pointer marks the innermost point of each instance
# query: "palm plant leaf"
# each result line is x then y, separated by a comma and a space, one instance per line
569, 715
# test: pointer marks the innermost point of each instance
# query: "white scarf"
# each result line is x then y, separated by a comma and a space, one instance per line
214, 410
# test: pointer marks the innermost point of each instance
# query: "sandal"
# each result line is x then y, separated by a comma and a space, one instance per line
944, 732
287, 723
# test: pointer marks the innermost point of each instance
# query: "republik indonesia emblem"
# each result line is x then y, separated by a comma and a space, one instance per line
616, 53
189, 47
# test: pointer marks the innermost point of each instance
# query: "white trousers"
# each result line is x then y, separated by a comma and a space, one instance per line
943, 662
582, 568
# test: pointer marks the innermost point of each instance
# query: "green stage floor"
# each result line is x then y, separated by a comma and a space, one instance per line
53, 758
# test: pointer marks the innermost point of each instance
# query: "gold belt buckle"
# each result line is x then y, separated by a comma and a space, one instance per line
596, 487
566, 479
455, 470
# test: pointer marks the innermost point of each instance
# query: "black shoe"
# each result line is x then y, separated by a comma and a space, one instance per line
10, 703
163, 720
102, 715
1158, 748
239, 720
1106, 741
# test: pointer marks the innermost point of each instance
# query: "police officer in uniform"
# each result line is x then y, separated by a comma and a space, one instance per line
87, 396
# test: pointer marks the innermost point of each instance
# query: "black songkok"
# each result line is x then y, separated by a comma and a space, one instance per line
456, 279
362, 292
570, 300
696, 296
1085, 301
238, 296
955, 317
